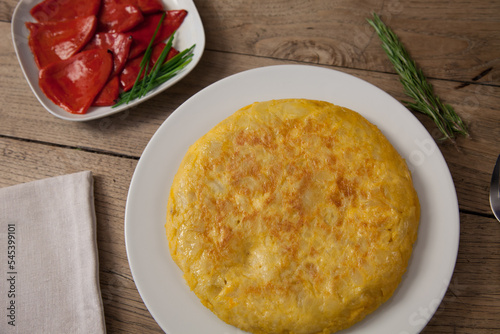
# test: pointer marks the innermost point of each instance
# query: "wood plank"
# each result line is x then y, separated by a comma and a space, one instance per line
22, 161
469, 306
127, 133
471, 303
7, 9
436, 33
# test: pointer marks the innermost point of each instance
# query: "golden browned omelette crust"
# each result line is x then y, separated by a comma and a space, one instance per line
292, 216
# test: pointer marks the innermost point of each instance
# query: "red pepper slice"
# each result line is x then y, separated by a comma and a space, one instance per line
130, 73
109, 94
143, 33
117, 43
119, 16
157, 50
172, 22
59, 10
133, 66
54, 41
150, 6
74, 83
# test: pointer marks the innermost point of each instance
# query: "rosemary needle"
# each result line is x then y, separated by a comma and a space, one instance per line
416, 85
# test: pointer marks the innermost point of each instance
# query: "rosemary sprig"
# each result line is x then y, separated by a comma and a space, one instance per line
160, 72
416, 85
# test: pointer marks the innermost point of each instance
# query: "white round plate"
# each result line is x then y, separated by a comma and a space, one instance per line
160, 282
191, 32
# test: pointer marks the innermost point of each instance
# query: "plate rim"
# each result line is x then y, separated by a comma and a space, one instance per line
418, 324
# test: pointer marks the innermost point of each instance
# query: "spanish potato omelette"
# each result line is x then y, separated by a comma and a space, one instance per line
292, 216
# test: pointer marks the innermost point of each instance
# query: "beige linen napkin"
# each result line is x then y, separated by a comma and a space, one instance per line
48, 257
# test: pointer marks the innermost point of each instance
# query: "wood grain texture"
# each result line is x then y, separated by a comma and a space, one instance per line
472, 301
470, 305
127, 133
457, 43
22, 161
437, 34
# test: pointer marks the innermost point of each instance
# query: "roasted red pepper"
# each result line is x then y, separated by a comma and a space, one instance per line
76, 79
117, 43
133, 66
150, 6
54, 41
74, 83
157, 50
143, 33
119, 16
58, 10
109, 94
172, 22
130, 73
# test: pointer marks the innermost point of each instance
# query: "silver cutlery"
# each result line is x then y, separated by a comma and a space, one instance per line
495, 190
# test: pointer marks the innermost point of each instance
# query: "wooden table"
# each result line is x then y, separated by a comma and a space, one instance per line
457, 43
